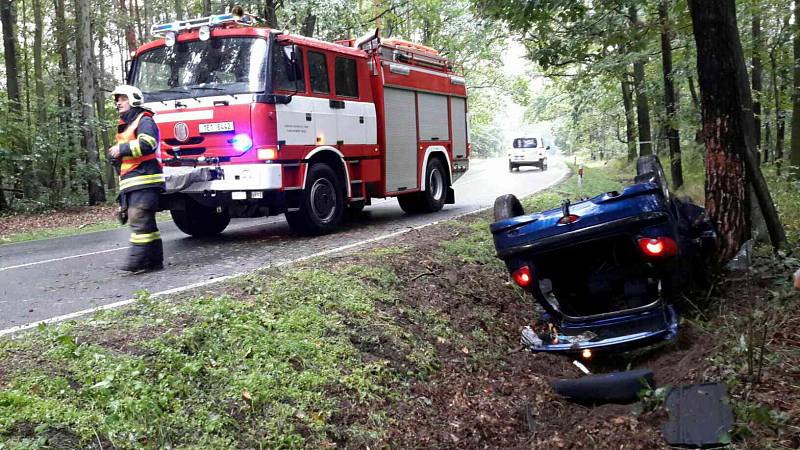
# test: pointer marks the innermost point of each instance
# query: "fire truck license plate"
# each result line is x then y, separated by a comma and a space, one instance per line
216, 127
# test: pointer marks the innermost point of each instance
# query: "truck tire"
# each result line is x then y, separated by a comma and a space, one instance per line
649, 169
322, 203
543, 165
200, 221
433, 197
507, 206
510, 167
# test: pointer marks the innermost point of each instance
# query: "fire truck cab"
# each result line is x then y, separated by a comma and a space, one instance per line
256, 122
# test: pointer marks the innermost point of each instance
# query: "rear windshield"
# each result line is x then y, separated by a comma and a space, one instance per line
525, 143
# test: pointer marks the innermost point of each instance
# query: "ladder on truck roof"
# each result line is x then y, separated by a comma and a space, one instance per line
161, 30
407, 52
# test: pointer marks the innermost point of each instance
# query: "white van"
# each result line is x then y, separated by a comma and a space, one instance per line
527, 151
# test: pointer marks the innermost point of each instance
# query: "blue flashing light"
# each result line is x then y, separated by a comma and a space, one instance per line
242, 142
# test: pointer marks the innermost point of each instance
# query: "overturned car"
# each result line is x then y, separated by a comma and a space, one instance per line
607, 270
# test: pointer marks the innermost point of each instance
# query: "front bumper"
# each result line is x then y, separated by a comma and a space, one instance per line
234, 177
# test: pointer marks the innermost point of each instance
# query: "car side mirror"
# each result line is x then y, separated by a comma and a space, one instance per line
547, 148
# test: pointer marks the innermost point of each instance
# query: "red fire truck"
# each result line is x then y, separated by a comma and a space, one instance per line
256, 122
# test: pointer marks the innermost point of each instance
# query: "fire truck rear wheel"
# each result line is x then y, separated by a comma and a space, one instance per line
200, 221
322, 205
433, 197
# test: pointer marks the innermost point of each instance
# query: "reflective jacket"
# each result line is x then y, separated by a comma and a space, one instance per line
137, 138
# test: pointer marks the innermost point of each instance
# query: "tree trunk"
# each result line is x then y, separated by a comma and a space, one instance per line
630, 123
642, 107
270, 13
86, 87
100, 102
8, 19
756, 75
207, 7
178, 9
130, 35
794, 156
693, 92
728, 127
670, 98
309, 25
41, 104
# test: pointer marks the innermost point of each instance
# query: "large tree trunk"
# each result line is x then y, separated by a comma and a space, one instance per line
756, 75
206, 8
8, 20
630, 123
794, 156
642, 107
86, 87
41, 104
728, 127
670, 98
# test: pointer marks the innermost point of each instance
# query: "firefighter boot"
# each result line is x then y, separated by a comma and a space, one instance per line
137, 261
155, 255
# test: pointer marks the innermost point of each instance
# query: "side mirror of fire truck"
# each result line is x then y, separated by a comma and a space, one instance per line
127, 77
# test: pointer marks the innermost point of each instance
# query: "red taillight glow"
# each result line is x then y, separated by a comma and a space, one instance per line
660, 247
523, 276
568, 219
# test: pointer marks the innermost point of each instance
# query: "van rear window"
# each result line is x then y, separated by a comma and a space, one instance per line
525, 143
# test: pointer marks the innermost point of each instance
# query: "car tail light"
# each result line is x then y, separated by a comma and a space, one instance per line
660, 247
568, 219
523, 276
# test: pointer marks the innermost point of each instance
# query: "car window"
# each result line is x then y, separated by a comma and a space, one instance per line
318, 73
284, 76
525, 143
346, 77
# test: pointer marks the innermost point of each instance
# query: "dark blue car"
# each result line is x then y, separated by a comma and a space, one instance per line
607, 270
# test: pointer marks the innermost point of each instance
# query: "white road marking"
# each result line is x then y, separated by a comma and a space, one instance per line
63, 258
176, 290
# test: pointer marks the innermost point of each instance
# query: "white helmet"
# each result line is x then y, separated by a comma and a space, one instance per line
134, 94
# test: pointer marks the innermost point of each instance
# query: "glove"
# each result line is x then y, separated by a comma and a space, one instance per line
122, 215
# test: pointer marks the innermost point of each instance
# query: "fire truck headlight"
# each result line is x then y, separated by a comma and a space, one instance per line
169, 39
242, 142
205, 33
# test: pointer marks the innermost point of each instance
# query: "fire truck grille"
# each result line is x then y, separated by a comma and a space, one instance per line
191, 141
188, 151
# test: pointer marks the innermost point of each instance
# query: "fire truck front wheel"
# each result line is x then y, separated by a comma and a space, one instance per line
200, 221
322, 204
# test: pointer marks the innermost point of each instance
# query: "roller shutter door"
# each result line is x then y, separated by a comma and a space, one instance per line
401, 139
458, 111
432, 117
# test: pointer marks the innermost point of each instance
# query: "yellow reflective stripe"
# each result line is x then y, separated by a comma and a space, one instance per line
140, 180
148, 139
136, 151
145, 238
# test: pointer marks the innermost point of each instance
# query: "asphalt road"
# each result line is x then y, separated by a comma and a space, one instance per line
54, 277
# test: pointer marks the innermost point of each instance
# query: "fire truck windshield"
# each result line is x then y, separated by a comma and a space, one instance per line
202, 68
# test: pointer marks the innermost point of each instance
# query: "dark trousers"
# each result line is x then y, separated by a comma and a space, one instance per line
147, 251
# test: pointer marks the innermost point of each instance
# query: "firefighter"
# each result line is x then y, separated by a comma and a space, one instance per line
141, 179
